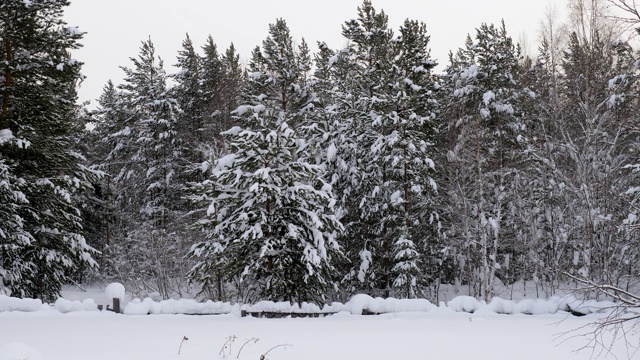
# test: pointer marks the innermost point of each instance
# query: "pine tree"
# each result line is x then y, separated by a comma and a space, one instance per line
212, 74
364, 100
146, 154
14, 239
232, 81
191, 100
487, 135
407, 152
267, 214
113, 148
44, 170
375, 136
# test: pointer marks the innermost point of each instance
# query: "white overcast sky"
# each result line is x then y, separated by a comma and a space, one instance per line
115, 28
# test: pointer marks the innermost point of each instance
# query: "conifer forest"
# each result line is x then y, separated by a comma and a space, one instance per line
308, 173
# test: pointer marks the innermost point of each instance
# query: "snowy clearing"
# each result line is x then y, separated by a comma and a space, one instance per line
440, 334
462, 328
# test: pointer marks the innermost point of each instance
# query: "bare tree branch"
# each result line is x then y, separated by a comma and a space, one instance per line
629, 7
620, 324
611, 291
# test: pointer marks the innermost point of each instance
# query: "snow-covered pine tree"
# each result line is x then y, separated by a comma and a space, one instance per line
114, 145
362, 99
232, 81
154, 246
207, 90
376, 129
267, 216
216, 84
485, 135
406, 150
189, 94
211, 79
37, 85
14, 239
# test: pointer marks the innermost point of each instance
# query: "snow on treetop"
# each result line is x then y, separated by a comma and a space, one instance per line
331, 152
241, 110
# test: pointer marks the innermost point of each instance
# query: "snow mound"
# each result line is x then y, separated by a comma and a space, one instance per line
283, 306
138, 307
115, 290
585, 307
18, 351
529, 306
66, 306
182, 306
562, 303
14, 304
378, 305
536, 307
464, 304
501, 306
356, 306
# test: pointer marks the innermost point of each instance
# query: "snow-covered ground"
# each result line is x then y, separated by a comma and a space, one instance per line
462, 328
438, 334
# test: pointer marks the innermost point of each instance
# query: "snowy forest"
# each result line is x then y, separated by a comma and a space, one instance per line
313, 174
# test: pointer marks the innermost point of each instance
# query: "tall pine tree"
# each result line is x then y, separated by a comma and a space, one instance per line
38, 119
268, 215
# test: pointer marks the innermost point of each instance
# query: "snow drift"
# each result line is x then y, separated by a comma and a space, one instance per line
357, 305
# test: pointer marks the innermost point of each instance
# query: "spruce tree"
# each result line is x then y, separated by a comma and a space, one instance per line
14, 239
191, 100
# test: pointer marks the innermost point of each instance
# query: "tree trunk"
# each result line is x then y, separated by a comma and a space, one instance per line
8, 76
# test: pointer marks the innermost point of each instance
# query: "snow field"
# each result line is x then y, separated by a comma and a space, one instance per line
18, 351
437, 335
462, 328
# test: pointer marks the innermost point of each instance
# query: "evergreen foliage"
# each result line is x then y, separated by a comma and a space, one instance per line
487, 135
267, 223
41, 240
317, 175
